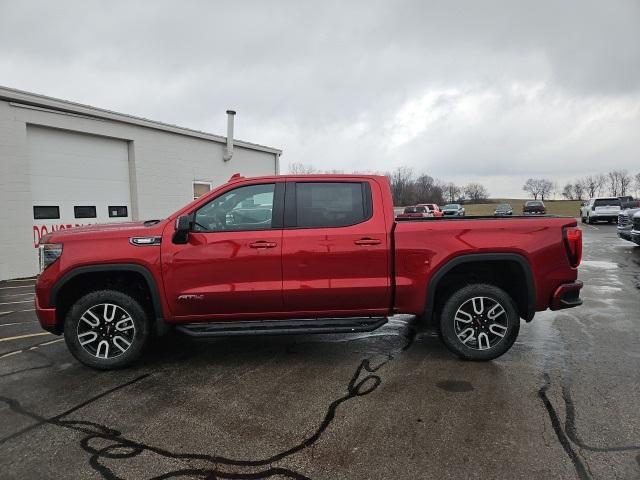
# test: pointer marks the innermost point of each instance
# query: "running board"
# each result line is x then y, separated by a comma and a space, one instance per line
282, 327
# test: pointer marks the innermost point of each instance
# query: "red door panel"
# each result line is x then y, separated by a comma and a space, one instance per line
326, 272
231, 264
225, 273
338, 268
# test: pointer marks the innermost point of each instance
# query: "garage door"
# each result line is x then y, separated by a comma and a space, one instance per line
76, 179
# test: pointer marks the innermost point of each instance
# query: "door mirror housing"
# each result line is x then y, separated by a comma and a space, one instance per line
183, 227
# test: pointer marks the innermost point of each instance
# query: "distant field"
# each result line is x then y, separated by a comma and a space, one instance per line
570, 208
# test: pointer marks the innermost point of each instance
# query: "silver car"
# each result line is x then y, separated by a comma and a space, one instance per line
453, 209
625, 223
635, 230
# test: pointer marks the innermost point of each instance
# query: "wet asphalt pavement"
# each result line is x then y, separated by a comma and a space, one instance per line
394, 403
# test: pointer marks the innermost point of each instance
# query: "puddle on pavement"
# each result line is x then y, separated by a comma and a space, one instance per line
599, 264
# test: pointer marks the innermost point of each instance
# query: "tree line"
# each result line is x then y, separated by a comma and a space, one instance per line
616, 183
409, 188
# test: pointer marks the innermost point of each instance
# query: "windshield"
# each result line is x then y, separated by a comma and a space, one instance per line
504, 206
451, 206
534, 204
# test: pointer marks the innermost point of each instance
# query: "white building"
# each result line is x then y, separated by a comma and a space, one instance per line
64, 164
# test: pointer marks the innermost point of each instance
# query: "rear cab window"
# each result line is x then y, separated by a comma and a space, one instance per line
327, 204
607, 202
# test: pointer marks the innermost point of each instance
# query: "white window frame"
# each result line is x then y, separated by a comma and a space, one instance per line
200, 182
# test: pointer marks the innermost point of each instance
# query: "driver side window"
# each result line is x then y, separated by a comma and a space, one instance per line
243, 208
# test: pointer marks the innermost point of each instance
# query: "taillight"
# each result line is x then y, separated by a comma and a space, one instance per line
573, 244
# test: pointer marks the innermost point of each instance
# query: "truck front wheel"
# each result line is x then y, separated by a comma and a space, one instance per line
106, 329
479, 322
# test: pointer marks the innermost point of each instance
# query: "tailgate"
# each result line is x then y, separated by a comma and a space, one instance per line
607, 210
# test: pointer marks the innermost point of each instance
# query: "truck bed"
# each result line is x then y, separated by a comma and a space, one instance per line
424, 245
477, 217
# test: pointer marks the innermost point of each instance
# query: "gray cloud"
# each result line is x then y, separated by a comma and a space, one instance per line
490, 91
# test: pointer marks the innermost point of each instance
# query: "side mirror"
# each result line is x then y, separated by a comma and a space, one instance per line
183, 227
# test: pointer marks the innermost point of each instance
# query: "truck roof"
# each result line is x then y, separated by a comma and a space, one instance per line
311, 176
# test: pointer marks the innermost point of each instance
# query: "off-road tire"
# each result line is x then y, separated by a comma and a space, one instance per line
457, 300
134, 309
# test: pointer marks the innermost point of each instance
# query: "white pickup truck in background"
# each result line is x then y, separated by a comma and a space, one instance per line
600, 209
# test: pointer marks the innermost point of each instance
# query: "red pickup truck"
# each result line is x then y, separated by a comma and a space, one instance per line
302, 254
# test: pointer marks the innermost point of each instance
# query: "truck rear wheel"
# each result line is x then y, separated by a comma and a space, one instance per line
106, 329
479, 322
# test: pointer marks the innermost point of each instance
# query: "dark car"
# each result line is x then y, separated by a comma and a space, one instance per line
503, 209
628, 202
534, 207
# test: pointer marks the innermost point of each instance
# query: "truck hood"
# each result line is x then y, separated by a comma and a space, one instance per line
103, 229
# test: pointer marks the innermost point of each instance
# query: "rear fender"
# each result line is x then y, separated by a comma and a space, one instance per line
530, 310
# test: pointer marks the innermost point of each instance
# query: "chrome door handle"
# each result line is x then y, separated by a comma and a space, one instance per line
263, 244
368, 241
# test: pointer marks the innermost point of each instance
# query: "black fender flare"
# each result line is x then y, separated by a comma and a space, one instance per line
483, 257
114, 267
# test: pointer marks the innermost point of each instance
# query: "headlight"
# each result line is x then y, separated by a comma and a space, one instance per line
49, 253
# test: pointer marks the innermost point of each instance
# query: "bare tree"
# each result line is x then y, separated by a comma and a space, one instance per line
637, 180
593, 184
301, 169
532, 187
602, 180
546, 188
578, 190
626, 181
612, 183
538, 187
427, 190
617, 182
476, 192
452, 192
402, 186
568, 191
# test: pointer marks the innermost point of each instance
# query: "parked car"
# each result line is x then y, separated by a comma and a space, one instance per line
433, 209
628, 202
415, 211
534, 207
329, 258
625, 223
503, 209
635, 230
454, 209
421, 210
600, 209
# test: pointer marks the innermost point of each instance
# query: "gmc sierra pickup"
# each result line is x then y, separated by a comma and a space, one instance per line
302, 254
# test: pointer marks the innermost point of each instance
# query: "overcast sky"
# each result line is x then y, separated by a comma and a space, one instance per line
472, 90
